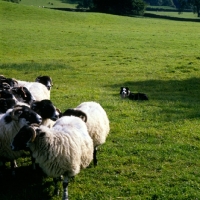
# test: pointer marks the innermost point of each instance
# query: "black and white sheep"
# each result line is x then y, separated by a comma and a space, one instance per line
125, 92
4, 81
22, 94
38, 90
97, 122
6, 104
45, 80
10, 124
62, 150
47, 111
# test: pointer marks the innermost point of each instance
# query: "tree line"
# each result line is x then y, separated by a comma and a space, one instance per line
135, 7
131, 7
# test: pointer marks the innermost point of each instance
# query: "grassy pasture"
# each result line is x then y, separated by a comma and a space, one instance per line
175, 14
48, 3
153, 150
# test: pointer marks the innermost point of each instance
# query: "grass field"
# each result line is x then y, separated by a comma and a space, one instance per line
152, 151
175, 14
48, 3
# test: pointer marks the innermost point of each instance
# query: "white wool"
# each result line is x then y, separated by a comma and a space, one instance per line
7, 133
64, 149
38, 90
97, 121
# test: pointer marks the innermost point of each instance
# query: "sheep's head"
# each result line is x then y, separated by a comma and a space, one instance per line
46, 109
24, 112
45, 80
26, 135
76, 113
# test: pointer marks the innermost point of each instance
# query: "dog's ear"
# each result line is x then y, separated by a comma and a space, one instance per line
127, 88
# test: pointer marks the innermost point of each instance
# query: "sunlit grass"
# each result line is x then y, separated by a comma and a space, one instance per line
152, 151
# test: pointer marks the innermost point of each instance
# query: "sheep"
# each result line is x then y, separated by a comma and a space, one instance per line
10, 124
62, 150
38, 90
7, 81
4, 86
45, 80
6, 94
97, 123
125, 92
47, 111
6, 104
22, 94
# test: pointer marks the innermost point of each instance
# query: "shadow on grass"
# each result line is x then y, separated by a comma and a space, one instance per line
27, 184
33, 67
180, 98
151, 15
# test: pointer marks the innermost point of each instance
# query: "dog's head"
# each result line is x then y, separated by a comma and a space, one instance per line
124, 92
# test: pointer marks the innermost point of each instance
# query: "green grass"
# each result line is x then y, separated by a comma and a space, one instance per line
152, 151
175, 14
48, 3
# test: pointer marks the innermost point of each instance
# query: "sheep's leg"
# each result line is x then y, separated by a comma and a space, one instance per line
13, 165
33, 161
65, 188
57, 184
95, 156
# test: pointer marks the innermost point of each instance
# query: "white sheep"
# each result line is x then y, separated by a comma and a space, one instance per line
62, 150
97, 122
10, 124
38, 90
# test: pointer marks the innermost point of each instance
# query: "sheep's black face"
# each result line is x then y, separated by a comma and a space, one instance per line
46, 109
124, 92
45, 80
76, 113
24, 94
6, 94
21, 139
29, 115
6, 104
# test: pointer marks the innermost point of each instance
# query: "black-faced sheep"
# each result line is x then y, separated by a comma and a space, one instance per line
6, 104
47, 111
7, 81
38, 90
125, 92
97, 123
64, 149
10, 124
22, 94
45, 80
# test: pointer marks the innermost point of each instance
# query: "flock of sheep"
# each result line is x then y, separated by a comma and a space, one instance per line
62, 143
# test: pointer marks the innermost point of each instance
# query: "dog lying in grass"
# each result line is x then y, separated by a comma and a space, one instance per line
125, 92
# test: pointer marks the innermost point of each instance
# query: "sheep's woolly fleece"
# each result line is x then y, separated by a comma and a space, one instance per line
63, 149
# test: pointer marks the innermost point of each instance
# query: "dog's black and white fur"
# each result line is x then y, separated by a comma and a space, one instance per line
125, 92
